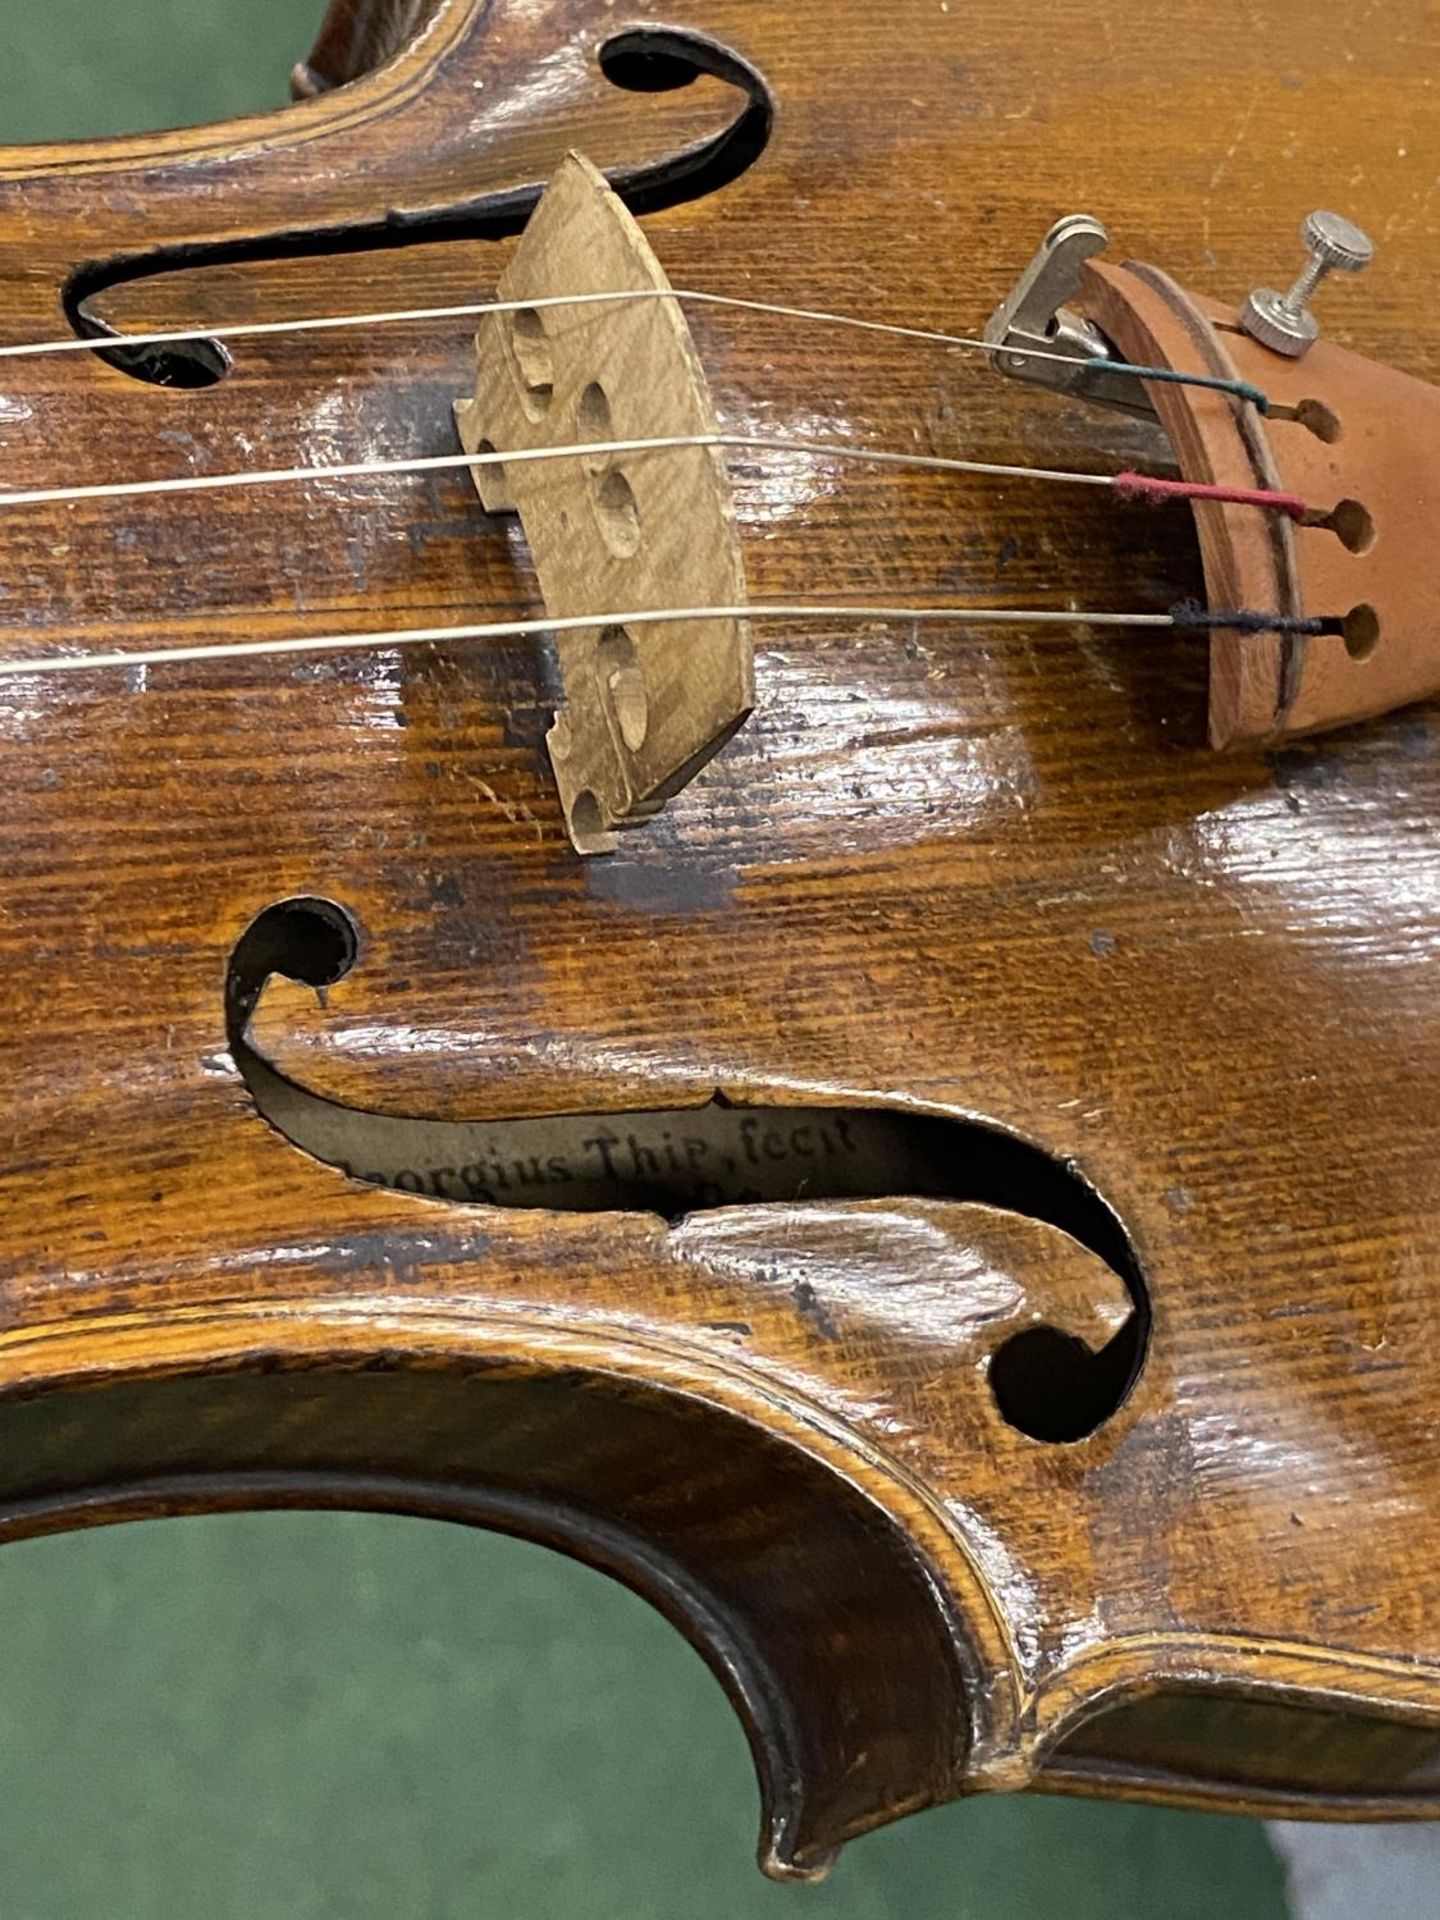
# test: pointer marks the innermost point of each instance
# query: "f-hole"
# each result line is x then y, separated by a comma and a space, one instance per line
677, 1161
639, 60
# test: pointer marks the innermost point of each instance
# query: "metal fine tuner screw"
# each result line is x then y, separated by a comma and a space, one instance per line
1283, 321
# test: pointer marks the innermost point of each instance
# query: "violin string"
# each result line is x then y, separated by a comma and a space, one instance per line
1129, 487
444, 462
1185, 615
472, 310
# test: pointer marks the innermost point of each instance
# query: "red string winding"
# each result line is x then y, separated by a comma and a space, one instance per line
1145, 488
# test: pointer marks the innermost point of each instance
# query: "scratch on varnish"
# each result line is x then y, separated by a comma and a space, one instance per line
515, 811
1241, 132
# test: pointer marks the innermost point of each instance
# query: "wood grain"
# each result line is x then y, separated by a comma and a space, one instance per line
993, 876
646, 706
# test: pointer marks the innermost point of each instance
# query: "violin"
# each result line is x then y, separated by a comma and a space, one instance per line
698, 869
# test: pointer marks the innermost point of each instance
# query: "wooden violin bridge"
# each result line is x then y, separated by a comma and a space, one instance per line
647, 704
1355, 439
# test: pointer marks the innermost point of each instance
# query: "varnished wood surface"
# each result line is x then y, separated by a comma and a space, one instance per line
995, 875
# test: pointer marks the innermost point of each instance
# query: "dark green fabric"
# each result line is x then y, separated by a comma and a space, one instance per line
341, 1716
77, 68
354, 1717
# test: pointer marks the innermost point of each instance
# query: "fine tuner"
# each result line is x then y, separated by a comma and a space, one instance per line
1283, 321
1035, 331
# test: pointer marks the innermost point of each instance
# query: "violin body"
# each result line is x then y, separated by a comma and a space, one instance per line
975, 1270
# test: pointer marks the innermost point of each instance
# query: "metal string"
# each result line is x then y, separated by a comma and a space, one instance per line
471, 310
258, 329
443, 462
1181, 617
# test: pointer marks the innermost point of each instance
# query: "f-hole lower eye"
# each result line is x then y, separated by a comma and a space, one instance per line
186, 366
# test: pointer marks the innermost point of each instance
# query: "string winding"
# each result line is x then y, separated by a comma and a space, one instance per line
1168, 377
1149, 489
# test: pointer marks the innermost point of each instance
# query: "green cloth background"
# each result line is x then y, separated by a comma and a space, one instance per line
304, 1715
